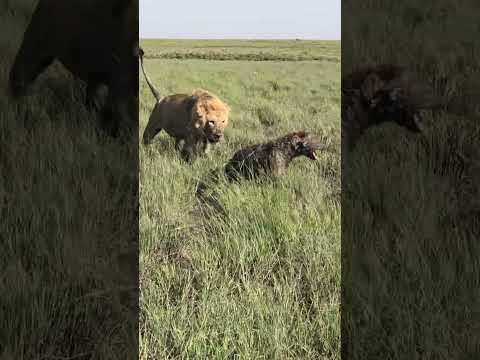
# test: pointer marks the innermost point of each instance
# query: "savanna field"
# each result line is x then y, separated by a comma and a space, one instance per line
262, 282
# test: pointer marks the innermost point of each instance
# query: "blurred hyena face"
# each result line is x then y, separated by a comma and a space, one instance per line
391, 105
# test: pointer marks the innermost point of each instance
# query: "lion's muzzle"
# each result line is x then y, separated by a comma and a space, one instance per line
213, 138
212, 132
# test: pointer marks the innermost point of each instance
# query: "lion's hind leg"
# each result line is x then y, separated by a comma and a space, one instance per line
154, 126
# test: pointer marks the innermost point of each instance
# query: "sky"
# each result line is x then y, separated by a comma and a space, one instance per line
244, 19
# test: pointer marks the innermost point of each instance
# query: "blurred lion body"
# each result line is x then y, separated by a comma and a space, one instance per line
194, 120
96, 41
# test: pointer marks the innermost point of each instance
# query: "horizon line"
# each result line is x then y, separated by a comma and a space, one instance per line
234, 38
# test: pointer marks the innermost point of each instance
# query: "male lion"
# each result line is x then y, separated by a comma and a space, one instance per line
195, 121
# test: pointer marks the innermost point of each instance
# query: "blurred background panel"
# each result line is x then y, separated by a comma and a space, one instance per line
68, 180
410, 197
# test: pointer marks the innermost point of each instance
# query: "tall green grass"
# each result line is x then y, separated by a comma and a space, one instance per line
263, 281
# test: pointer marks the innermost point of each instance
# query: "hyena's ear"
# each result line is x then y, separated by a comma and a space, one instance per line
371, 85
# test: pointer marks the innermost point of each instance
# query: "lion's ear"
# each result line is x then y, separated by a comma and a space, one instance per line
371, 85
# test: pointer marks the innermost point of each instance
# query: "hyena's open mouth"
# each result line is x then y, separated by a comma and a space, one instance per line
312, 155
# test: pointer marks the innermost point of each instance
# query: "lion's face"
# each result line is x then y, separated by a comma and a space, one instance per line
211, 119
215, 123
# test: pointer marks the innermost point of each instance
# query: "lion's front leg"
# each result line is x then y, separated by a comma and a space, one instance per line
186, 153
206, 146
179, 144
190, 149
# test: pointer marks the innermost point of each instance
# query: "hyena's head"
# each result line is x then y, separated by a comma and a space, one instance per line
400, 100
304, 144
393, 105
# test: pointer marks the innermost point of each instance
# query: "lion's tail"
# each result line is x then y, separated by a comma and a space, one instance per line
154, 91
